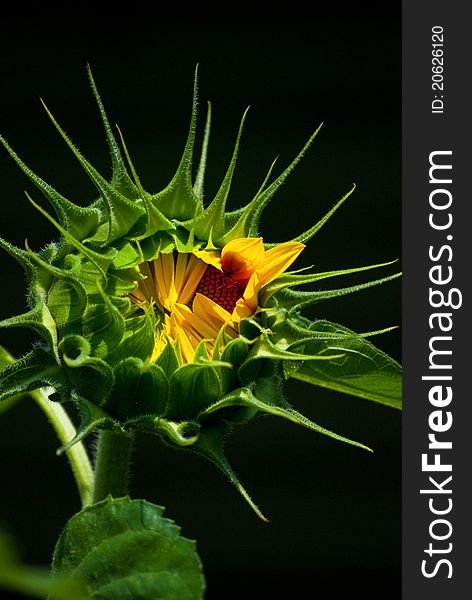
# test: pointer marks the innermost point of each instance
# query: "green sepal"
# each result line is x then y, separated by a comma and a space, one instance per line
288, 280
103, 326
178, 200
236, 222
137, 339
66, 301
248, 223
7, 359
126, 549
211, 222
234, 353
92, 417
168, 359
39, 318
121, 181
193, 387
264, 349
129, 255
139, 389
122, 212
101, 260
244, 397
363, 371
184, 433
200, 177
78, 221
122, 283
295, 300
37, 369
155, 220
89, 376
210, 445
307, 235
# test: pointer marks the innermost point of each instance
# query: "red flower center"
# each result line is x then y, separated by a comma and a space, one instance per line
221, 288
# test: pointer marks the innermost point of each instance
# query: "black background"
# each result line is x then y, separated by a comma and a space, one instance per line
334, 509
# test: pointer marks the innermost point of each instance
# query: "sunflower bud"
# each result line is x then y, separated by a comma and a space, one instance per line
159, 313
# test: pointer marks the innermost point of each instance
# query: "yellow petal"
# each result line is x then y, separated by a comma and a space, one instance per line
241, 257
247, 305
159, 345
210, 311
193, 324
278, 259
194, 272
210, 257
161, 274
180, 271
182, 331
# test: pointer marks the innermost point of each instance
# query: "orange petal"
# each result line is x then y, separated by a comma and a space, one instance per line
278, 259
241, 257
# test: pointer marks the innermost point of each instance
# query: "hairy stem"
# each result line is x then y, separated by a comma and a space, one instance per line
112, 464
77, 454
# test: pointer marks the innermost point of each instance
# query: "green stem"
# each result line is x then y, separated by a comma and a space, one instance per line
112, 464
77, 454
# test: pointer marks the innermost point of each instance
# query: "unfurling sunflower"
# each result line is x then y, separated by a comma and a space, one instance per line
160, 314
199, 293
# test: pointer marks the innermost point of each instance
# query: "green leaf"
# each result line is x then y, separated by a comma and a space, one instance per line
126, 549
363, 371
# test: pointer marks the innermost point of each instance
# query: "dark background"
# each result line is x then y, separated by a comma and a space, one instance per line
334, 509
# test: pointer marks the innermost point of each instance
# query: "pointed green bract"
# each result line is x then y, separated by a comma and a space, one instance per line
121, 181
200, 178
179, 200
211, 222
